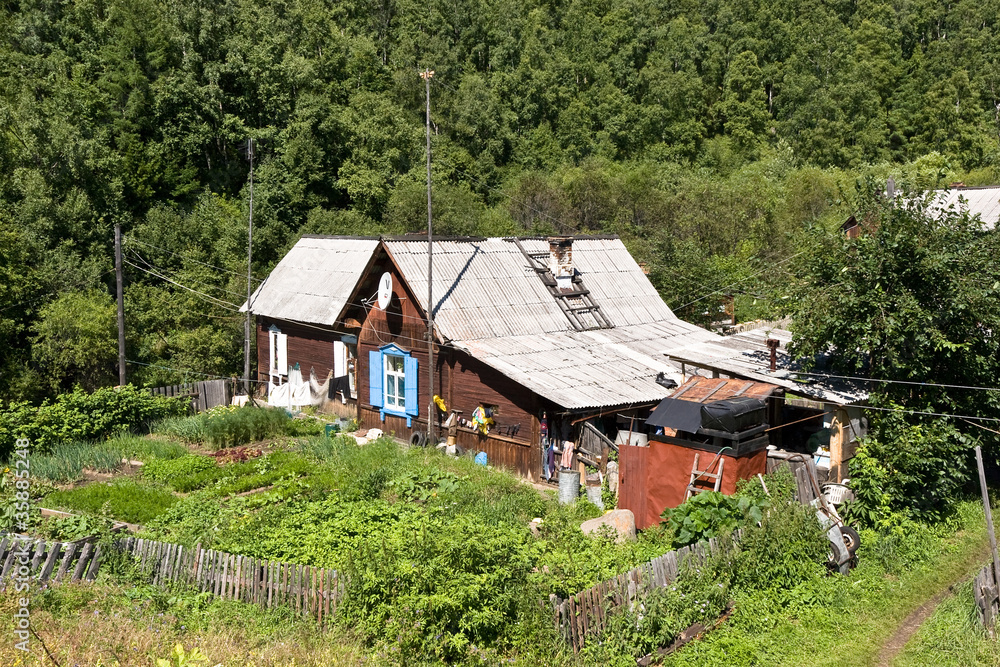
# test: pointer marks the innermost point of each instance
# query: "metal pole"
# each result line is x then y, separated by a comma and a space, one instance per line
121, 304
246, 325
989, 514
426, 75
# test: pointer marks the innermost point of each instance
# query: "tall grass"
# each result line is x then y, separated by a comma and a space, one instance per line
227, 426
147, 449
67, 460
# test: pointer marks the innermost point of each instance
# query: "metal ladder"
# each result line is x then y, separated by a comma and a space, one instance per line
573, 303
704, 474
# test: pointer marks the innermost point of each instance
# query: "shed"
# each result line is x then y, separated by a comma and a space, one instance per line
684, 457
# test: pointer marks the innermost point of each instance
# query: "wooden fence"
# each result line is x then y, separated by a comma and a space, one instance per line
204, 395
984, 588
37, 560
586, 613
310, 591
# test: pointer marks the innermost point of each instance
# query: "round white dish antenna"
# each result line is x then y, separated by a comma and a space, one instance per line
384, 290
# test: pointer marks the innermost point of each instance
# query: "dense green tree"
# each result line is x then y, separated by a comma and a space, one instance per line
695, 130
75, 340
914, 299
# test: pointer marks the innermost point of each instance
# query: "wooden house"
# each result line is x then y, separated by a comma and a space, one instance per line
298, 310
544, 335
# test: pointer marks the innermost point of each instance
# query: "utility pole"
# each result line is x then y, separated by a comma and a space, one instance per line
989, 514
426, 76
121, 304
246, 326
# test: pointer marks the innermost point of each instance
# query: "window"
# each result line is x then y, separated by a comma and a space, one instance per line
392, 382
344, 354
395, 383
278, 351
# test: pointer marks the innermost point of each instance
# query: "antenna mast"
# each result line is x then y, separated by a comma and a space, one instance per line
426, 76
246, 327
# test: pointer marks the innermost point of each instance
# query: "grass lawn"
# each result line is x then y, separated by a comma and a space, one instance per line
952, 637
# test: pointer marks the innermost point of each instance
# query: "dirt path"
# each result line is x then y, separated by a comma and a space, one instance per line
897, 642
909, 627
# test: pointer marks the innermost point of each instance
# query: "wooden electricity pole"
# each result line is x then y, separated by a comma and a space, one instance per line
989, 514
121, 305
246, 324
426, 76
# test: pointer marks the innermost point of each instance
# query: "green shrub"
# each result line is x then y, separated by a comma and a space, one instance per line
787, 547
916, 470
168, 470
710, 513
699, 595
70, 528
438, 588
123, 500
82, 416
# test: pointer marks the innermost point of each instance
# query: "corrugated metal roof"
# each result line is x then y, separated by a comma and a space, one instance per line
701, 389
983, 201
490, 303
745, 355
314, 280
485, 288
589, 369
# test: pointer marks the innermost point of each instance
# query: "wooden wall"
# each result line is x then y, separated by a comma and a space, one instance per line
309, 345
461, 381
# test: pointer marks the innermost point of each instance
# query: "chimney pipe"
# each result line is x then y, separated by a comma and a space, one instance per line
561, 260
772, 344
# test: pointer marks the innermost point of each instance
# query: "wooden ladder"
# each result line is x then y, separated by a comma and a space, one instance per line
699, 474
574, 303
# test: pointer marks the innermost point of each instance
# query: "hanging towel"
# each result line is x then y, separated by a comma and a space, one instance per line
567, 455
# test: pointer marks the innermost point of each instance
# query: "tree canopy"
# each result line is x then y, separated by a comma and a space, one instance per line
708, 135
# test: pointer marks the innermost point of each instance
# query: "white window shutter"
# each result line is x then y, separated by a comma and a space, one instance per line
339, 359
282, 353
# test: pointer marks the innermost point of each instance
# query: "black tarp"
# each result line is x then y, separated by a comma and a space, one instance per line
676, 414
733, 415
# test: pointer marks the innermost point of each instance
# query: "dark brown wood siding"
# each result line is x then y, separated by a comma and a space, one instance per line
461, 381
309, 346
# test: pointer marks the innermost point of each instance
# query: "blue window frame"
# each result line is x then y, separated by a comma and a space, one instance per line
392, 382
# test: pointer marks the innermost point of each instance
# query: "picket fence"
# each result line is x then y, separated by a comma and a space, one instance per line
310, 591
984, 589
586, 613
76, 561
204, 395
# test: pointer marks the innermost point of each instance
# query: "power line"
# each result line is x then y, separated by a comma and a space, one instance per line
200, 282
132, 239
60, 290
219, 302
185, 371
930, 414
906, 382
721, 289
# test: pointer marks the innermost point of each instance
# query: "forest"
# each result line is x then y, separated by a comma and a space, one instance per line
714, 137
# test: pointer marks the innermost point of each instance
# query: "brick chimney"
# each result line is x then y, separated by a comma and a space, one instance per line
561, 259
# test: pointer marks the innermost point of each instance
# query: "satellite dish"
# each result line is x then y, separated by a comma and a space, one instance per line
384, 290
